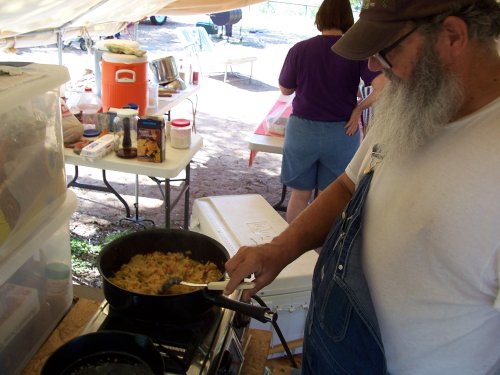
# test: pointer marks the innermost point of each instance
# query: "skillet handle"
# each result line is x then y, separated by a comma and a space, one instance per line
261, 313
220, 285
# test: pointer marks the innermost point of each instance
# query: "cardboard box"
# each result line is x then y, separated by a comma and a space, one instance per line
98, 148
150, 140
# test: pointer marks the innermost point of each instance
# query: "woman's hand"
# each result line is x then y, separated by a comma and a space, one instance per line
352, 126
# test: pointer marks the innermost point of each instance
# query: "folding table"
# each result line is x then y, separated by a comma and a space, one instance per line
176, 161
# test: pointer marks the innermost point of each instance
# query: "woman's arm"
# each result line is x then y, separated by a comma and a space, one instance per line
377, 84
286, 91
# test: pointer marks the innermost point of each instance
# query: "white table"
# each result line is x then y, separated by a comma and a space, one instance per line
166, 104
176, 161
266, 143
270, 144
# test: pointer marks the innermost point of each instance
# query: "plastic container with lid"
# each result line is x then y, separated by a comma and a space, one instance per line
153, 96
30, 125
180, 133
36, 288
58, 285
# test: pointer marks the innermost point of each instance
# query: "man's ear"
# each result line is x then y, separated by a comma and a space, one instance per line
454, 37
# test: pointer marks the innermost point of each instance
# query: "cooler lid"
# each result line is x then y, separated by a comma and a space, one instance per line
236, 220
102, 45
120, 58
21, 81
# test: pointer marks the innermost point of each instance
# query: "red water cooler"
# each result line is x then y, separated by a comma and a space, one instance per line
124, 80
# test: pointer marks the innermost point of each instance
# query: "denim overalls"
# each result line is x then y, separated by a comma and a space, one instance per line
342, 334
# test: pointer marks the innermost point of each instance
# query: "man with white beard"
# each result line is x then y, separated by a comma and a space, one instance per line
407, 281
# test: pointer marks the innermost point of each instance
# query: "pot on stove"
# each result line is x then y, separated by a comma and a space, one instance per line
181, 307
107, 352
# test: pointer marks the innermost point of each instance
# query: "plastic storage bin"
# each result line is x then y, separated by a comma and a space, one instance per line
32, 175
35, 289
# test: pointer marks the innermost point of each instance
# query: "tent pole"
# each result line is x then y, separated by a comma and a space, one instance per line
59, 46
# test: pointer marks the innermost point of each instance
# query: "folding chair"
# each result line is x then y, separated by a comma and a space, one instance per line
210, 55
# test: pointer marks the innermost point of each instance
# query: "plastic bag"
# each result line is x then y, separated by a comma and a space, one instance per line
277, 119
72, 127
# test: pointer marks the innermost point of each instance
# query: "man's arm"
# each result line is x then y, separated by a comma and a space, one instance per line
306, 232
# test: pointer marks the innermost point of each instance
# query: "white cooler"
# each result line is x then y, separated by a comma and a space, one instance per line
236, 220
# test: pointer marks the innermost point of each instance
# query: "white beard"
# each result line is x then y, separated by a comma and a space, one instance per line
409, 112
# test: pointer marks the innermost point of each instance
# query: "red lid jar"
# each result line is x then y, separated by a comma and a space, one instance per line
181, 122
180, 133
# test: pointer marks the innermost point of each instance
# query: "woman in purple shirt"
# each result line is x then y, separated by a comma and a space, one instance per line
320, 135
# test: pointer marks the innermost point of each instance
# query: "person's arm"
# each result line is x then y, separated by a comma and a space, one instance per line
306, 232
286, 91
377, 84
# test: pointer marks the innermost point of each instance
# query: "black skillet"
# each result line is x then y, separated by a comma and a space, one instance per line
180, 307
106, 352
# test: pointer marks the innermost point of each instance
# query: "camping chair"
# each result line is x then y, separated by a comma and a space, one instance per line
210, 55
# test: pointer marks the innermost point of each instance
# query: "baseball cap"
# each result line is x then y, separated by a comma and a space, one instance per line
381, 21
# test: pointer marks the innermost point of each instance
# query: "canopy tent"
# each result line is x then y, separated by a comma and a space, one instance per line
28, 23
188, 7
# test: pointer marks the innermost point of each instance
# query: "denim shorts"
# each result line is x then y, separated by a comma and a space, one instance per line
315, 153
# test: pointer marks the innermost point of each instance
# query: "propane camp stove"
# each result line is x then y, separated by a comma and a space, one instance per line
212, 344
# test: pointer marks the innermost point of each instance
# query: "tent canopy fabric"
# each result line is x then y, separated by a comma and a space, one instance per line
188, 7
26, 23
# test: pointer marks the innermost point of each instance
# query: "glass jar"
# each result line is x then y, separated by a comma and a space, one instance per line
125, 133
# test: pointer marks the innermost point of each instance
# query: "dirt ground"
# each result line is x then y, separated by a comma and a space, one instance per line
226, 116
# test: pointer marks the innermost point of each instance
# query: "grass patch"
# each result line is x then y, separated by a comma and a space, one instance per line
84, 253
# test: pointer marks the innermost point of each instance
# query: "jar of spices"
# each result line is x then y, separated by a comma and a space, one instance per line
180, 133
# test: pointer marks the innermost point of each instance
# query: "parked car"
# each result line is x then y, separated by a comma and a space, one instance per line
158, 20
80, 40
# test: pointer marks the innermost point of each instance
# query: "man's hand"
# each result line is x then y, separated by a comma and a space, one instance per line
263, 261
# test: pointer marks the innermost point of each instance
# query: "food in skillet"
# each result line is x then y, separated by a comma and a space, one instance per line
146, 273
